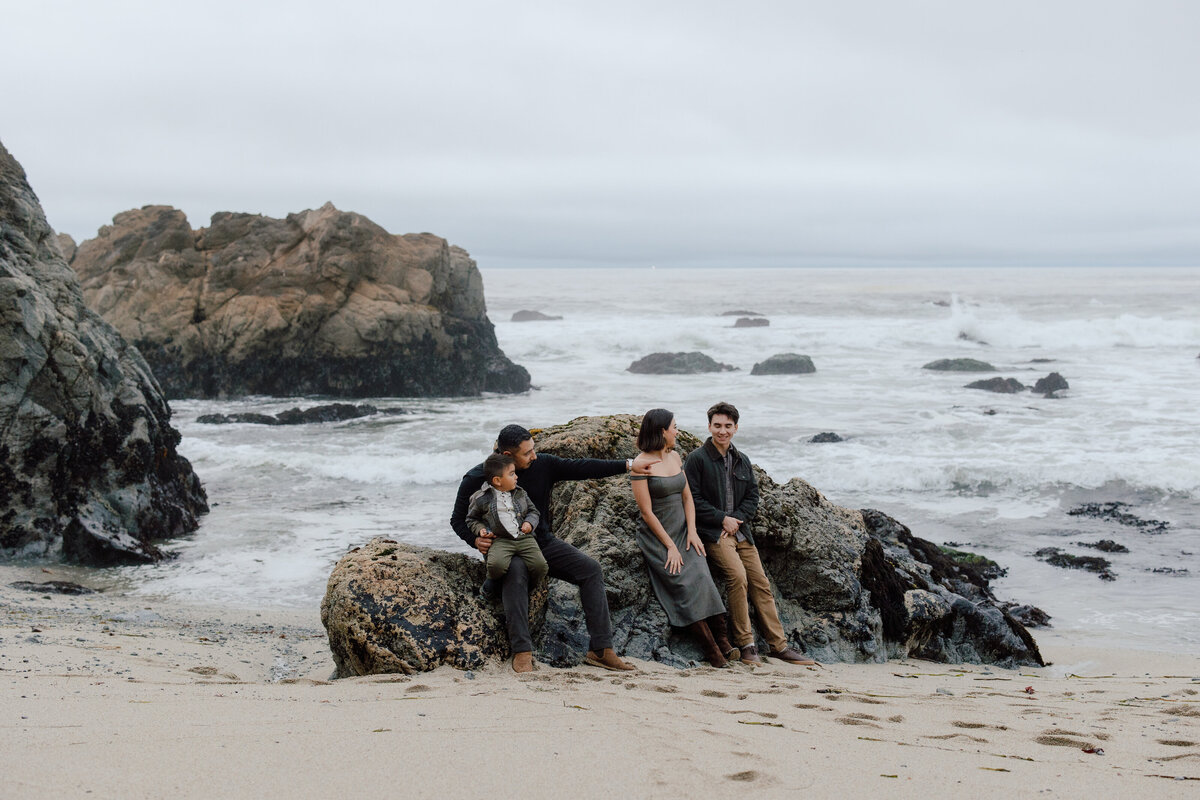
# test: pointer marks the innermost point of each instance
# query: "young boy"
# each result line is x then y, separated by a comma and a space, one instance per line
504, 509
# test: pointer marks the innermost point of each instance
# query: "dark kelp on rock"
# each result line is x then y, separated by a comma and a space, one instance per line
851, 585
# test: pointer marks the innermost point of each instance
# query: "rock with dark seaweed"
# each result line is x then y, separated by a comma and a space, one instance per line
998, 385
1058, 558
1051, 385
1116, 512
1105, 546
89, 465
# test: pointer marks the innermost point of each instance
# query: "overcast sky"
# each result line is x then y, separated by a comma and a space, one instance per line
670, 133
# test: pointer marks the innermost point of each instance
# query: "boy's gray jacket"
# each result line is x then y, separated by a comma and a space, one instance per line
705, 469
482, 513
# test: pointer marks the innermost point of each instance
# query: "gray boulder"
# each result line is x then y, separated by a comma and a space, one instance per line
959, 365
322, 302
784, 364
532, 316
88, 464
999, 385
1051, 385
752, 322
677, 364
850, 585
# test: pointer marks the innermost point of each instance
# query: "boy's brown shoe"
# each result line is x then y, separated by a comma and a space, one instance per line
607, 659
522, 662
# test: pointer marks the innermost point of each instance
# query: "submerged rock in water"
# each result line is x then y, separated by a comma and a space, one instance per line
334, 412
828, 437
1050, 385
851, 585
1105, 546
89, 469
677, 364
999, 385
752, 322
743, 313
960, 365
532, 316
323, 302
785, 364
1115, 512
52, 587
1056, 557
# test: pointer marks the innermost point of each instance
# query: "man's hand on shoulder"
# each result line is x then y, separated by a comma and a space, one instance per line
642, 464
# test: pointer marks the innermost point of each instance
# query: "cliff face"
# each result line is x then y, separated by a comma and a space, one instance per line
88, 466
322, 302
850, 585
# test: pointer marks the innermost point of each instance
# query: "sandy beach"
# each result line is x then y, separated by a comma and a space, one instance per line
125, 697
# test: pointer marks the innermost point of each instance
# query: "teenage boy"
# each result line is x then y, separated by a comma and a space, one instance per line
725, 493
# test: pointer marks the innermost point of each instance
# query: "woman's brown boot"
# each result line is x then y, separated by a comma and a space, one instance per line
716, 624
705, 639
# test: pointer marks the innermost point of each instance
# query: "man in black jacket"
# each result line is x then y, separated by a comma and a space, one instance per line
725, 493
537, 476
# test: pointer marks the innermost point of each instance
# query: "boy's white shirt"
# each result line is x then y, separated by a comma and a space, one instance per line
507, 513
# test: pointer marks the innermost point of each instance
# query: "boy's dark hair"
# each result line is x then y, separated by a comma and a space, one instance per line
650, 436
723, 408
495, 465
510, 438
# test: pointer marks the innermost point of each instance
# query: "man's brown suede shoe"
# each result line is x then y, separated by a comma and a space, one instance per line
792, 657
750, 655
607, 659
522, 662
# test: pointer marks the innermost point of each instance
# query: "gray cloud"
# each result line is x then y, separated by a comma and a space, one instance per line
670, 133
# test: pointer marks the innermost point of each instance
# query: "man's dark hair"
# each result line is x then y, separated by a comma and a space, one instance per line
510, 438
495, 465
723, 408
650, 436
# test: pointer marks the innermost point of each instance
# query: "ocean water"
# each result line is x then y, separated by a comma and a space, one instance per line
993, 473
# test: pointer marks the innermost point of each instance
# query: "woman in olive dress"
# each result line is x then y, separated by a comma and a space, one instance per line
667, 537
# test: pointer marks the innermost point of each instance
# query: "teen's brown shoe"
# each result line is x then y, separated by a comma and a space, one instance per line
607, 659
522, 662
792, 657
750, 655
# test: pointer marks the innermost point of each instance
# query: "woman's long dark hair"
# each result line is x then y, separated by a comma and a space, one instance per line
651, 436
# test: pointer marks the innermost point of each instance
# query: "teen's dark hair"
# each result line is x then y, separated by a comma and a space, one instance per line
650, 436
495, 464
723, 408
510, 438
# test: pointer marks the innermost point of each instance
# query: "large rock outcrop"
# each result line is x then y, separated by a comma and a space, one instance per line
850, 585
322, 302
88, 466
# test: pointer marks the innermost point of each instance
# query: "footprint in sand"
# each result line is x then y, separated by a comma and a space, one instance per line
897, 718
967, 736
1176, 742
871, 701
977, 725
744, 777
859, 719
1182, 711
713, 693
